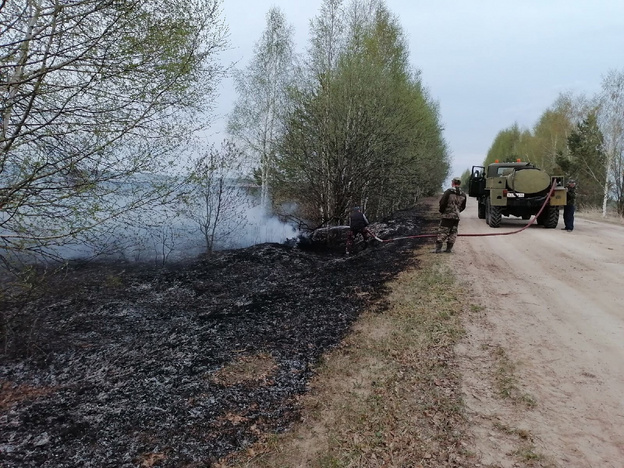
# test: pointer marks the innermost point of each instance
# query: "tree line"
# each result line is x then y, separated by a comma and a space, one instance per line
100, 94
579, 137
349, 123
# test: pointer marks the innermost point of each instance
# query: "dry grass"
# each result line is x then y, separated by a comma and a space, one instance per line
595, 214
390, 395
255, 368
150, 460
506, 381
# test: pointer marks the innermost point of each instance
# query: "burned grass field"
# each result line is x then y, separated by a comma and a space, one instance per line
131, 365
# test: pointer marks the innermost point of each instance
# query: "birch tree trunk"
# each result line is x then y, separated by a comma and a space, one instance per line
262, 88
611, 119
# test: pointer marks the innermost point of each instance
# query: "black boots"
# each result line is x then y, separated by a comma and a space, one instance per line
438, 248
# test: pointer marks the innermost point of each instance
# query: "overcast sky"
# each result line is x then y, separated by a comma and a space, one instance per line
488, 63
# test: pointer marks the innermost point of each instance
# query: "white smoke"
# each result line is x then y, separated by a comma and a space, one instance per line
260, 228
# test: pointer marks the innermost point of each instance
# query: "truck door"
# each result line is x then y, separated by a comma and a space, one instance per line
476, 182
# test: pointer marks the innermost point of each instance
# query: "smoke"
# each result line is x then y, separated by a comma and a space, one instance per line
171, 231
161, 235
259, 228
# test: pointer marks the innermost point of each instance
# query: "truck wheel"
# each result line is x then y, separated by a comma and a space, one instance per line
493, 215
552, 217
481, 210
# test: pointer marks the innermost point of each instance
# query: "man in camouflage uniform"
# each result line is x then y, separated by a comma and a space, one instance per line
452, 203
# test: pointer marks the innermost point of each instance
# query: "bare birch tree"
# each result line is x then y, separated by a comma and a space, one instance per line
218, 198
94, 93
262, 97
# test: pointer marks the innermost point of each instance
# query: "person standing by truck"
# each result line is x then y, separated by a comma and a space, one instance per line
570, 207
452, 203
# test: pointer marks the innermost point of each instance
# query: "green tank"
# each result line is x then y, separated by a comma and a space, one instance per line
516, 189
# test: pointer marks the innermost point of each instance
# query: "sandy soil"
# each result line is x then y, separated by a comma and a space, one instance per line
553, 302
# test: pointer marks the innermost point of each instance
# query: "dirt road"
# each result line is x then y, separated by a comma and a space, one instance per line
547, 330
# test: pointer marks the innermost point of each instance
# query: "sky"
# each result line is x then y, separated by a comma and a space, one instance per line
487, 63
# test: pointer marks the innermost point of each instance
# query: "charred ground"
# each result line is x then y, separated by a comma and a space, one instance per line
132, 365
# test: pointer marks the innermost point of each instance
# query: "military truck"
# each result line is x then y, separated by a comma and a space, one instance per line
516, 189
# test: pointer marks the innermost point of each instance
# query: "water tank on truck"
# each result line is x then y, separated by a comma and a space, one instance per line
516, 189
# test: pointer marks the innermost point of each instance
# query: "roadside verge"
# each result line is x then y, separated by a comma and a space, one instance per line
390, 394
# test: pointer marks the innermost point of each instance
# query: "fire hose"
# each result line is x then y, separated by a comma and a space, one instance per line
532, 221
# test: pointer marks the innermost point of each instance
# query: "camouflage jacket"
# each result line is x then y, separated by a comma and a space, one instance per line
452, 203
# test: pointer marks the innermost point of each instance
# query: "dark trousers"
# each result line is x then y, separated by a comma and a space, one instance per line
366, 234
568, 217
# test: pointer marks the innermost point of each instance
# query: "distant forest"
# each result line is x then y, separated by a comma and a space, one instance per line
578, 137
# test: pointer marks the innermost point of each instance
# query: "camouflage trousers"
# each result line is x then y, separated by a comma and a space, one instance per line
447, 231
